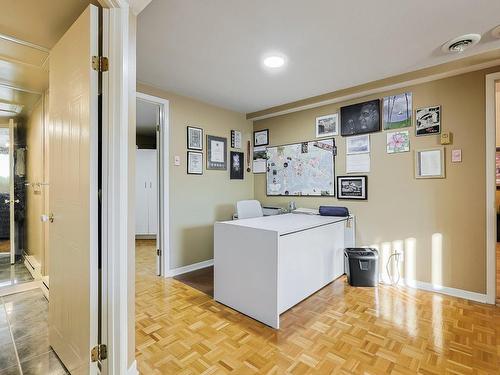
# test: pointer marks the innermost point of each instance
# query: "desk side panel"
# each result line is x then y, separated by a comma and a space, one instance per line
245, 271
309, 260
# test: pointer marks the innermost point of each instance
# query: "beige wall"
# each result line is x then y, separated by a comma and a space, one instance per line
401, 211
198, 201
34, 173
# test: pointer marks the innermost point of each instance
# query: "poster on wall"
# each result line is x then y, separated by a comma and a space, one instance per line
194, 138
236, 165
357, 163
360, 118
259, 159
397, 111
235, 139
398, 142
358, 145
327, 126
428, 120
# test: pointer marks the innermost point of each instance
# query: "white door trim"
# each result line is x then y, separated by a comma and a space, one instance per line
164, 175
115, 168
491, 212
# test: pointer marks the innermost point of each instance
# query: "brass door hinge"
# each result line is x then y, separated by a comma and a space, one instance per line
100, 63
158, 252
99, 353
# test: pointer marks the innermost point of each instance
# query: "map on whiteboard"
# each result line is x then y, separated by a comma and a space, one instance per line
301, 169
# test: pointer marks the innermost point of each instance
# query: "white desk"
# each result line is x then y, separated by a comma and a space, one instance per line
266, 265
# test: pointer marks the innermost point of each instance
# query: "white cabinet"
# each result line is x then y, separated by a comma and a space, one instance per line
146, 192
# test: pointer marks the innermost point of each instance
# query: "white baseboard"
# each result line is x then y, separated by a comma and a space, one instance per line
189, 268
132, 370
460, 293
33, 266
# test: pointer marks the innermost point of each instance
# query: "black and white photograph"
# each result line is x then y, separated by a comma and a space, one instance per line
358, 145
194, 162
235, 139
428, 120
360, 118
327, 126
352, 187
261, 137
236, 165
216, 153
194, 138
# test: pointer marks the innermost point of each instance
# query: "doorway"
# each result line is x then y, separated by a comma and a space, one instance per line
151, 182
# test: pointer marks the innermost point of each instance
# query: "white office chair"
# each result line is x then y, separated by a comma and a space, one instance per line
248, 209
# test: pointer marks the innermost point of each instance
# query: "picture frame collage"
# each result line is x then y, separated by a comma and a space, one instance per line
216, 153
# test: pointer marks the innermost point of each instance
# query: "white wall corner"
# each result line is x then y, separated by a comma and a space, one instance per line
132, 370
137, 6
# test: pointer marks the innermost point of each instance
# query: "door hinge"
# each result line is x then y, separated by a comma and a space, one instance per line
99, 353
157, 128
100, 63
158, 252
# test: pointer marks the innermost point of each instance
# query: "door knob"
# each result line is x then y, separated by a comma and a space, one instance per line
6, 201
51, 217
16, 201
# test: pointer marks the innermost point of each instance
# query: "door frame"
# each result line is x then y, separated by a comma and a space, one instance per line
491, 210
163, 170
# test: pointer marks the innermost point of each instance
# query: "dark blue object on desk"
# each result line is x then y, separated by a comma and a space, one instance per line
333, 211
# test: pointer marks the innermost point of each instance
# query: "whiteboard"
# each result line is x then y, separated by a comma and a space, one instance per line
302, 169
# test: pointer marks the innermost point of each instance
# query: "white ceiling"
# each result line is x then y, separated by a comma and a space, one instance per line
148, 116
211, 50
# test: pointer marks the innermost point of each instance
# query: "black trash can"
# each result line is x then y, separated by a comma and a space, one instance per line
361, 266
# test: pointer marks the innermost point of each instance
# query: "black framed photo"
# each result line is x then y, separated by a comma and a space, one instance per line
236, 139
216, 153
194, 138
360, 118
428, 120
352, 187
194, 162
261, 137
237, 165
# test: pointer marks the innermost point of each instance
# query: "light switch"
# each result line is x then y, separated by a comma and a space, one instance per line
177, 160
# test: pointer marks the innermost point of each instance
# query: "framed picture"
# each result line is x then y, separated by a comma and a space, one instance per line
397, 111
358, 145
328, 125
194, 138
194, 162
398, 142
428, 120
352, 187
360, 118
235, 139
216, 153
237, 165
261, 137
429, 163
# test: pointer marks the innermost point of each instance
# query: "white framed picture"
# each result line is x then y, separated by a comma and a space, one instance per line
398, 142
429, 163
359, 144
194, 138
195, 162
328, 125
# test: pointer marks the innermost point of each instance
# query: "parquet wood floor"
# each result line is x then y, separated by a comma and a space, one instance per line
339, 330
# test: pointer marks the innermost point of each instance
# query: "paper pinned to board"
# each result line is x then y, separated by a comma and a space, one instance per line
357, 163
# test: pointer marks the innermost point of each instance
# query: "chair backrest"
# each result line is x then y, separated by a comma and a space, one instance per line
248, 209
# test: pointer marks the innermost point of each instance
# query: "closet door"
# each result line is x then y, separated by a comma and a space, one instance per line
152, 185
141, 190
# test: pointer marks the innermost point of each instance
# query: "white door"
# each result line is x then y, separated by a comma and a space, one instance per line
73, 198
152, 191
141, 190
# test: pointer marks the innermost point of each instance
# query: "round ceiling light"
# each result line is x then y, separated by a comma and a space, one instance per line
461, 43
274, 61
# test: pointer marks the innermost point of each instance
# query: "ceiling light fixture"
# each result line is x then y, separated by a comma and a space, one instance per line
461, 43
274, 61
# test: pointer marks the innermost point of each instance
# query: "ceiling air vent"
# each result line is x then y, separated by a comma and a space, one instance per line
461, 43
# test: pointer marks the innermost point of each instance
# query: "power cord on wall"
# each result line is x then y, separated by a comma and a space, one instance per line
394, 280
